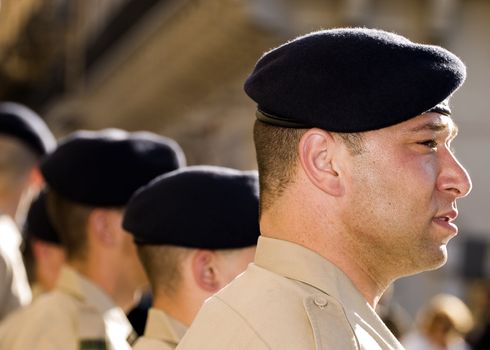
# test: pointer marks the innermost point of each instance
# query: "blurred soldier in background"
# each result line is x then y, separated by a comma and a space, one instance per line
42, 251
91, 177
394, 316
195, 229
24, 139
441, 325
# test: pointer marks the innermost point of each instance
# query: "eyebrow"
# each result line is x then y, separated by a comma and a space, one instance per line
438, 127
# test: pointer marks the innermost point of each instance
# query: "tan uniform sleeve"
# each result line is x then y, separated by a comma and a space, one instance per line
234, 333
39, 327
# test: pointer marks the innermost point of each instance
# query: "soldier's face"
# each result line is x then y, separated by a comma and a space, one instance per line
402, 192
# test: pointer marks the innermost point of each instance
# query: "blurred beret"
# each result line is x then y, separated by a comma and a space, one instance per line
198, 207
104, 168
352, 80
25, 125
38, 225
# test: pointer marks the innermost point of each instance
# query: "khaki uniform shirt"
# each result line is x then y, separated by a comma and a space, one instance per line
290, 298
37, 290
77, 315
161, 332
14, 288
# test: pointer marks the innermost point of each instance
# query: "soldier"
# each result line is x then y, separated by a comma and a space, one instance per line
195, 229
24, 139
358, 188
43, 252
90, 178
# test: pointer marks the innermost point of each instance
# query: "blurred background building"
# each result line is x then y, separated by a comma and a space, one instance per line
177, 67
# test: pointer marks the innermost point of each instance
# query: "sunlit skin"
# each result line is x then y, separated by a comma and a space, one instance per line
378, 215
401, 197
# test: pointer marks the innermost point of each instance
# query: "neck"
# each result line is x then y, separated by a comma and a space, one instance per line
308, 226
363, 276
176, 306
105, 276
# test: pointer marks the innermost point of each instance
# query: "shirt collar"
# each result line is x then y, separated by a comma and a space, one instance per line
296, 262
163, 327
73, 283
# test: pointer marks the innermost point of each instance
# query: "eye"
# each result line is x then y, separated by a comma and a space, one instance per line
429, 143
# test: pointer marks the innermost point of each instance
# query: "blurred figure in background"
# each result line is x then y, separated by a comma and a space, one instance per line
479, 337
24, 139
441, 325
394, 316
43, 252
196, 229
91, 177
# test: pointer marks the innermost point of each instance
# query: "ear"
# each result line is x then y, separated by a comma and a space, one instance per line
36, 178
317, 149
99, 227
204, 270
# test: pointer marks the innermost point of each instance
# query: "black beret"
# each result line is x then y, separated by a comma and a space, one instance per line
25, 125
38, 224
103, 168
198, 207
352, 80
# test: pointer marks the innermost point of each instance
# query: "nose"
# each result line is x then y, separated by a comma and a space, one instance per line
454, 178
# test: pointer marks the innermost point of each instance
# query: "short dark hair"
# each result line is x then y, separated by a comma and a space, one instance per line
162, 264
70, 220
277, 154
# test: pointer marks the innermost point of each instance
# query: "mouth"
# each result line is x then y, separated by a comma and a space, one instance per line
446, 221
449, 216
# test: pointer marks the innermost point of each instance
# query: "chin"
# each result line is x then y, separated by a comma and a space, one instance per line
428, 260
436, 259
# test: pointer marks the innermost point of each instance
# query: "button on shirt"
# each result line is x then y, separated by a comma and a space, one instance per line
290, 298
